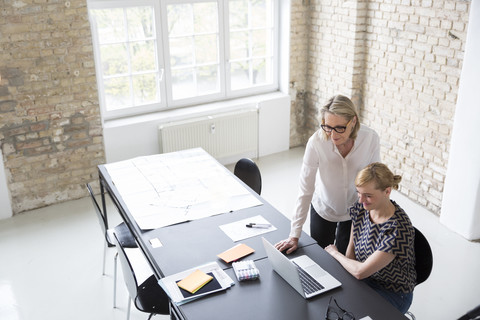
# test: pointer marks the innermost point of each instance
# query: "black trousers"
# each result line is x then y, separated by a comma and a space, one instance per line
326, 232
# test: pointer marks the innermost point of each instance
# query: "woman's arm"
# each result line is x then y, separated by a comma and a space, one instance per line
350, 253
306, 187
361, 270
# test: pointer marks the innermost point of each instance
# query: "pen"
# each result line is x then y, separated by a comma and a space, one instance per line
258, 225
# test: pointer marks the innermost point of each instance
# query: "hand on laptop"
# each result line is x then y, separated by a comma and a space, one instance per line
290, 244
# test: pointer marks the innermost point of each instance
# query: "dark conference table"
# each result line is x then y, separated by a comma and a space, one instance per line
193, 243
270, 297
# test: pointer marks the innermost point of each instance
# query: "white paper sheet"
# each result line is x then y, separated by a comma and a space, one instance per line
166, 189
238, 231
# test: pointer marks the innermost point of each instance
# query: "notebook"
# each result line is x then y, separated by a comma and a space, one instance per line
235, 253
302, 273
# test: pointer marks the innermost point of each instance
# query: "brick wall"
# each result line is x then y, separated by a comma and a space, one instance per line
299, 40
400, 61
50, 127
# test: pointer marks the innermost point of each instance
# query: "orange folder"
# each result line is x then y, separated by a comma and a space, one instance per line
235, 253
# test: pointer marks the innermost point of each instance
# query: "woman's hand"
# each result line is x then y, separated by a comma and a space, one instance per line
290, 244
331, 249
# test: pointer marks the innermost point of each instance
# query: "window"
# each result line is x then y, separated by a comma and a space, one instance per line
193, 42
153, 55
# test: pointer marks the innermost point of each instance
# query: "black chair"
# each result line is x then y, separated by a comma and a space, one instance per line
247, 171
423, 257
123, 233
148, 296
423, 260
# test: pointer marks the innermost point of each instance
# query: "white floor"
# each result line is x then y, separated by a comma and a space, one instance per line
51, 258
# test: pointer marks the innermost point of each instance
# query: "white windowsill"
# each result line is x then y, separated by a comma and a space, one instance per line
194, 111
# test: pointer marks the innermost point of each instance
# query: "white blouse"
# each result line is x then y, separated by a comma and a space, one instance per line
327, 180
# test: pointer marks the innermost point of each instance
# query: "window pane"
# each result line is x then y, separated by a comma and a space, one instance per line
117, 93
251, 43
205, 17
239, 75
208, 80
114, 59
145, 89
259, 45
239, 45
180, 19
260, 15
238, 14
140, 23
181, 50
206, 49
259, 71
110, 24
128, 55
182, 84
194, 49
143, 56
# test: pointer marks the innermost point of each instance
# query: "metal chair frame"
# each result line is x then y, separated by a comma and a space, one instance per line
124, 235
148, 296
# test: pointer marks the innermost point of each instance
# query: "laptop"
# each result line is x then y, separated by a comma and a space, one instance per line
302, 273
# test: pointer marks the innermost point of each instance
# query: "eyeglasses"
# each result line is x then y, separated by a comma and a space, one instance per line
341, 314
338, 129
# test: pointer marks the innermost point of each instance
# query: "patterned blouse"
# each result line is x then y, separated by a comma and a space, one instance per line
394, 236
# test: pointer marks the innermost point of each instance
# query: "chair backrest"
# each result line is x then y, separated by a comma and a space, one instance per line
101, 218
423, 257
148, 296
127, 269
247, 171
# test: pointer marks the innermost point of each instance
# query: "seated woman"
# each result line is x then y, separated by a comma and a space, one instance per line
381, 239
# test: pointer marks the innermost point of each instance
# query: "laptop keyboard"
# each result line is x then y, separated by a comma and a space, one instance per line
309, 284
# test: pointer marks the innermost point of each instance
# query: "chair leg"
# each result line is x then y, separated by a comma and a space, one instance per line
128, 309
104, 257
115, 281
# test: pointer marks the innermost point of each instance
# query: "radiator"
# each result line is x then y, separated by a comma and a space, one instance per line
225, 136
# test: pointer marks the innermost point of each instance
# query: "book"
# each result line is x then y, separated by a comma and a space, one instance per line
233, 254
194, 281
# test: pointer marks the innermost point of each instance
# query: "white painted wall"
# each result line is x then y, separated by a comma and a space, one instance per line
461, 197
5, 203
274, 125
133, 137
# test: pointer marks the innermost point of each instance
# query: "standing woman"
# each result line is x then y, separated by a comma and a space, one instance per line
333, 157
381, 248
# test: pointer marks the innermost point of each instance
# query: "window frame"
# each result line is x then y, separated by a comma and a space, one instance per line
275, 51
163, 58
172, 104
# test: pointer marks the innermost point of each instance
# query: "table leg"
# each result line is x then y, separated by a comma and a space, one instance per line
104, 205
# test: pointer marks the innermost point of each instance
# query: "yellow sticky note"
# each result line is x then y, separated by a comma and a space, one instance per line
236, 253
193, 282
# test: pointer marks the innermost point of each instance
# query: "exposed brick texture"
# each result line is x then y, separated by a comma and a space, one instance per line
400, 62
50, 128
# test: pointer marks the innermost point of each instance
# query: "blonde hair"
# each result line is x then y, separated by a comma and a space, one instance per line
380, 174
340, 106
